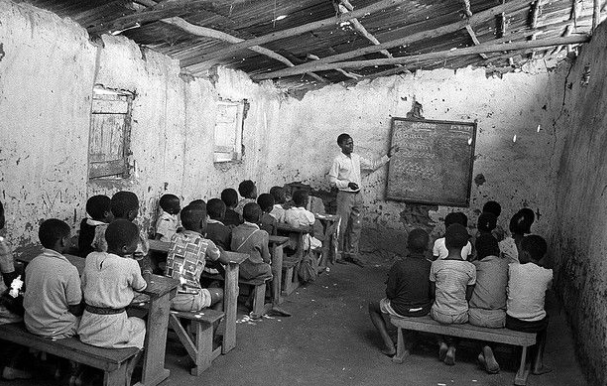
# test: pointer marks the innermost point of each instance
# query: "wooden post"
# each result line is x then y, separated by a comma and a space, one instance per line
596, 14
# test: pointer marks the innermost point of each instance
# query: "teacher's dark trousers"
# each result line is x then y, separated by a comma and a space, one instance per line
349, 208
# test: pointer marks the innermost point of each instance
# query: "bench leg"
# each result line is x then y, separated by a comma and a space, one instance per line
290, 281
523, 371
401, 351
117, 377
204, 346
259, 297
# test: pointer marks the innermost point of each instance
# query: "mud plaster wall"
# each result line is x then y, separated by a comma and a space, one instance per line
581, 267
521, 174
48, 68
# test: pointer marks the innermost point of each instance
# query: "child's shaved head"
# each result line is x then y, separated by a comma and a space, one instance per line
417, 241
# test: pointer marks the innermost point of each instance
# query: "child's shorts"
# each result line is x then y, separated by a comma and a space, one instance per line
448, 319
386, 307
191, 302
523, 326
487, 318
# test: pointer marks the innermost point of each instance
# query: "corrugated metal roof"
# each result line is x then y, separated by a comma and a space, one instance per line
248, 19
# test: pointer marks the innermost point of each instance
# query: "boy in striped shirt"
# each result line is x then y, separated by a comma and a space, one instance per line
452, 280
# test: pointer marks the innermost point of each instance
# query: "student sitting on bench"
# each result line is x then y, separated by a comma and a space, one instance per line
407, 289
248, 238
216, 231
440, 250
98, 208
168, 222
299, 217
125, 205
109, 282
230, 197
451, 281
487, 307
52, 286
280, 197
248, 191
527, 288
186, 261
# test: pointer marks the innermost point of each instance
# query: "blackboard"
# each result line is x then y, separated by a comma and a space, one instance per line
434, 162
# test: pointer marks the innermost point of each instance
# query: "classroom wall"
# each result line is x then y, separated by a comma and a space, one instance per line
516, 174
581, 232
48, 67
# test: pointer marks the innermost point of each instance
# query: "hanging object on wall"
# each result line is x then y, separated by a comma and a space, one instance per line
514, 138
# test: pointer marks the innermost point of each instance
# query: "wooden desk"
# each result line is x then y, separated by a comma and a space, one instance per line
331, 223
277, 244
160, 290
291, 267
230, 290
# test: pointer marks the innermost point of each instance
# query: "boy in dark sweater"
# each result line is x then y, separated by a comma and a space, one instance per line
408, 288
217, 232
98, 208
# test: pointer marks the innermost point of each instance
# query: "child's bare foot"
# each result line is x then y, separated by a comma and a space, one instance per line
389, 351
491, 365
541, 370
442, 351
450, 357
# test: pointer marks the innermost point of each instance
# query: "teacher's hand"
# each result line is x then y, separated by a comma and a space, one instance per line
353, 186
393, 149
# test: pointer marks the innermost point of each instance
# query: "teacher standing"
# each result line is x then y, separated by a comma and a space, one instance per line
345, 175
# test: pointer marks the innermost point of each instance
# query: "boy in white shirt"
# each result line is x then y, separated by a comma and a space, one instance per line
440, 251
298, 216
527, 288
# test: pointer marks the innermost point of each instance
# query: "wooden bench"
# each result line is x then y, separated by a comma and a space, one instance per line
290, 266
198, 341
467, 331
115, 363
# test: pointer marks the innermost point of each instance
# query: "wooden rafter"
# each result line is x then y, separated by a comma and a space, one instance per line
441, 55
158, 11
213, 34
226, 52
469, 29
474, 20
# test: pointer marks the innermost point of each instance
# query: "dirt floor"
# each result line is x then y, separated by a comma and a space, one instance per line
329, 340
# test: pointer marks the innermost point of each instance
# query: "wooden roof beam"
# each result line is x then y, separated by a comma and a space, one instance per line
155, 12
213, 34
441, 55
440, 31
226, 52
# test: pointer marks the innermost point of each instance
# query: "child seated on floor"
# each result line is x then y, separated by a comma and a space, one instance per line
487, 306
407, 288
527, 288
187, 259
298, 216
216, 231
268, 223
451, 283
248, 191
168, 222
230, 198
52, 286
280, 197
520, 225
248, 238
125, 205
109, 282
440, 251
100, 213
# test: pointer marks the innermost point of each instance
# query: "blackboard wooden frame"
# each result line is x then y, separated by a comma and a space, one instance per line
459, 131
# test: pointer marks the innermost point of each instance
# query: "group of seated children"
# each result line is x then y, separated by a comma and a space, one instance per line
485, 286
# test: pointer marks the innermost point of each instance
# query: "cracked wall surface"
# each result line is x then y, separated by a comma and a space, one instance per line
581, 232
48, 68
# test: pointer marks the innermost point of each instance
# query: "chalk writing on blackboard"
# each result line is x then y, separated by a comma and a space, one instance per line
434, 164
